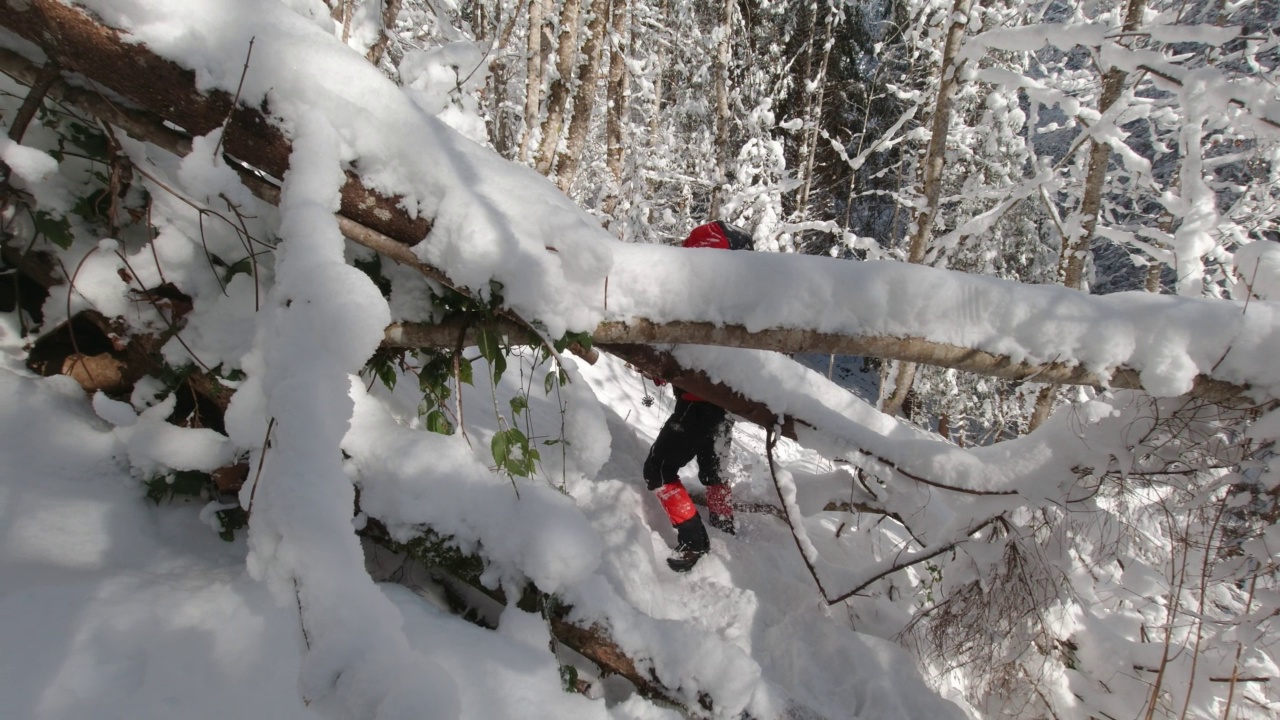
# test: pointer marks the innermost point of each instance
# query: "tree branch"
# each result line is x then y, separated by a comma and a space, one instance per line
161, 88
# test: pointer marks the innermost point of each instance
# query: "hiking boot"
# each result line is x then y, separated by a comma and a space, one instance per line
691, 544
684, 559
723, 523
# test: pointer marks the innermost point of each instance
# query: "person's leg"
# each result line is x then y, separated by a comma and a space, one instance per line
713, 454
675, 446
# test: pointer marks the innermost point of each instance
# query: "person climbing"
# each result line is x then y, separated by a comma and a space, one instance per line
696, 429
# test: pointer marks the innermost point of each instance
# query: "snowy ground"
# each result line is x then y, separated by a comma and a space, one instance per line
124, 609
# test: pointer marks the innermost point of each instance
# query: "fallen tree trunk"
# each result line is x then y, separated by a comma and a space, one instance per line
83, 46
591, 642
912, 349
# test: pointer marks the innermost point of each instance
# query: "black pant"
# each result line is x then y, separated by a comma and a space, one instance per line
695, 429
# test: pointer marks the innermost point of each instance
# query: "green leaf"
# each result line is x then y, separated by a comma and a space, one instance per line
499, 365
498, 446
383, 366
581, 338
488, 343
438, 423
491, 349
511, 452
427, 405
435, 374
91, 141
569, 678
387, 374
517, 437
241, 266
94, 206
57, 230
519, 404
464, 371
549, 382
520, 457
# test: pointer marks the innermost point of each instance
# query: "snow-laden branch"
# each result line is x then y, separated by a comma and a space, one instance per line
1256, 99
913, 349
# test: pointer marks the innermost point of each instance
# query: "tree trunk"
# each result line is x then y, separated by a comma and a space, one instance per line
935, 161
785, 340
559, 96
1045, 401
660, 62
808, 99
390, 11
584, 100
535, 73
619, 33
723, 56
814, 120
1075, 248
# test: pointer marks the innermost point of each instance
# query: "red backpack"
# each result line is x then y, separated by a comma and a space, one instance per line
720, 234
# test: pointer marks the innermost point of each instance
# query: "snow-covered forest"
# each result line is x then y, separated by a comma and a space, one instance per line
332, 332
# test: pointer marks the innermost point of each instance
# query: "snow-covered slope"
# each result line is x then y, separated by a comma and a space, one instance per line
125, 609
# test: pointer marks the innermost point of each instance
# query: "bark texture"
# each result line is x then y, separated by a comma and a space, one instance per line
619, 34
584, 97
534, 74
558, 99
